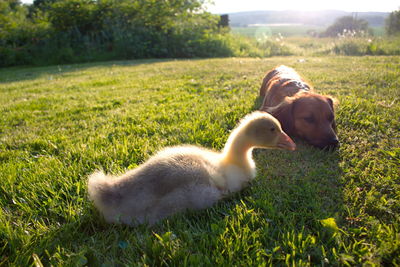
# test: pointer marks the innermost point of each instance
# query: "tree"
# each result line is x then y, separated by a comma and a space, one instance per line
40, 3
12, 16
224, 21
11, 4
393, 23
93, 15
348, 26
73, 15
79, 30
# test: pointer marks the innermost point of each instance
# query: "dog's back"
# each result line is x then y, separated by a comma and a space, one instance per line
279, 83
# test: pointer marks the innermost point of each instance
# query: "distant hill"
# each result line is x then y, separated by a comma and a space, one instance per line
318, 18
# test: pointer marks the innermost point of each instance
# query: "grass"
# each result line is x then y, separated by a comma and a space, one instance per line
308, 207
274, 30
349, 46
289, 30
297, 40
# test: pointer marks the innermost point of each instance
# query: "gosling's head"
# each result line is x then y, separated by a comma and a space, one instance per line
264, 131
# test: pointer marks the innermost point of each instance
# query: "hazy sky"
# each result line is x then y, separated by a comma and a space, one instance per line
229, 6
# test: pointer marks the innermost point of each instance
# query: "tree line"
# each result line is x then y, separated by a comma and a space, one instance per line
62, 31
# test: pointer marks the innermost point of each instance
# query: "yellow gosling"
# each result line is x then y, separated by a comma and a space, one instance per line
186, 177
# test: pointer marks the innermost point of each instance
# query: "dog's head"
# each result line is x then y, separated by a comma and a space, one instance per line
310, 117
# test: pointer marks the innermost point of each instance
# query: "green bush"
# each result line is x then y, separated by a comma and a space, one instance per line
348, 26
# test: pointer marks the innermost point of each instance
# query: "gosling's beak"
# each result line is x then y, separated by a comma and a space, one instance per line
285, 142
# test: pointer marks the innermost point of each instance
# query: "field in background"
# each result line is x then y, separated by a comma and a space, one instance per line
298, 30
266, 46
378, 31
260, 32
309, 207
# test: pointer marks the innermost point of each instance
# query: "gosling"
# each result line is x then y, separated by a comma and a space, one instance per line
186, 177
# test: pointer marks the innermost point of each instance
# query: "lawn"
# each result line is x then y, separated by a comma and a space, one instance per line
309, 207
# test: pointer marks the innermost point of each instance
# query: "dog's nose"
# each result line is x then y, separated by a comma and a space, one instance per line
334, 142
329, 144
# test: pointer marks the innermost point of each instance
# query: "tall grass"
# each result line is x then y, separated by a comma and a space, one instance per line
348, 46
294, 40
366, 46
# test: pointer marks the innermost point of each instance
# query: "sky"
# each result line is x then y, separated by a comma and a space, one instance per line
230, 6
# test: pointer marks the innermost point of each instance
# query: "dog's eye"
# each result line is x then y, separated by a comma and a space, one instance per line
272, 129
309, 119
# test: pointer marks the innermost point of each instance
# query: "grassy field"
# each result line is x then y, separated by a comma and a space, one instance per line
274, 30
309, 207
267, 46
288, 30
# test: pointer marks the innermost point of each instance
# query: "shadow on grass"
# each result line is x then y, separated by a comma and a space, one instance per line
13, 74
303, 182
303, 185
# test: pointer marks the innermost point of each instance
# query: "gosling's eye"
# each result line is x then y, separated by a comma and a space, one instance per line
309, 119
272, 129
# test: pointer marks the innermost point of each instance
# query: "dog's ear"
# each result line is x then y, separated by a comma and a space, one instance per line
267, 78
284, 113
332, 102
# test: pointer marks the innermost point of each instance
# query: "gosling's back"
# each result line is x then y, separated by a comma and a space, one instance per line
174, 180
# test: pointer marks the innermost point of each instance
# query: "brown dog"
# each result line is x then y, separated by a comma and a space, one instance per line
300, 111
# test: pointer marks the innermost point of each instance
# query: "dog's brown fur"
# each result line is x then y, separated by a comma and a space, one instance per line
301, 112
